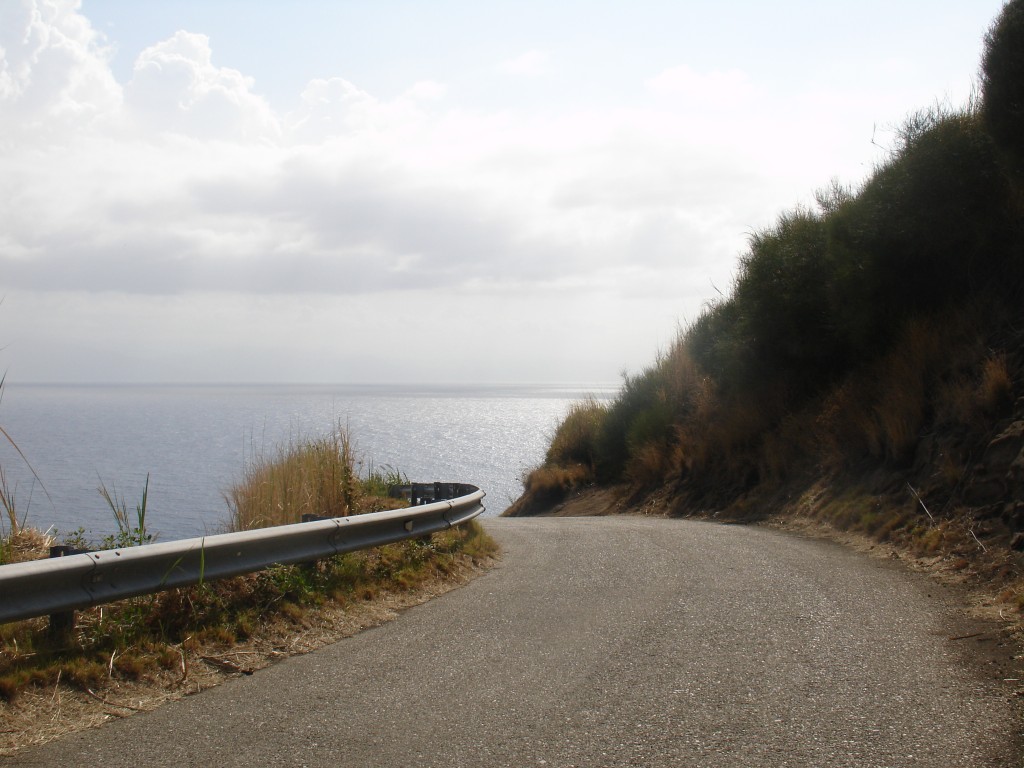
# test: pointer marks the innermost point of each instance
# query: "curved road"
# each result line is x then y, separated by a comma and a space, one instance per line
615, 641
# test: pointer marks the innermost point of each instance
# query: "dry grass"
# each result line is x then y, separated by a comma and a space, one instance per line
25, 544
555, 482
39, 703
576, 437
649, 464
318, 476
994, 393
134, 639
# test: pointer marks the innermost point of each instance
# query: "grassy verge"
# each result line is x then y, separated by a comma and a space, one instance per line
160, 641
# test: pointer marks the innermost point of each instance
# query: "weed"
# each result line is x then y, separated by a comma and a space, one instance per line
129, 533
84, 673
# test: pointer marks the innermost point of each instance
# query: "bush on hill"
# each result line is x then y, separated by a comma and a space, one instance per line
1002, 81
878, 334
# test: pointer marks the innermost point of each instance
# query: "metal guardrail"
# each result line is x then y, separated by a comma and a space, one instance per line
59, 585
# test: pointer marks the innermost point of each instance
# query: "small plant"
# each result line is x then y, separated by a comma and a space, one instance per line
13, 538
129, 533
376, 487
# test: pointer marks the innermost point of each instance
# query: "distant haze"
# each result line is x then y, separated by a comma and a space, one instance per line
326, 191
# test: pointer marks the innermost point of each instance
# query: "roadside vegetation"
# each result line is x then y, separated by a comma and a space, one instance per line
162, 638
866, 369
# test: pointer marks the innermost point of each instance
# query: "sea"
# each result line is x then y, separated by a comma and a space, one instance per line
194, 442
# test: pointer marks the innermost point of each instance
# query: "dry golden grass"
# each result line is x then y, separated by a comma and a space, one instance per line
318, 476
313, 477
649, 464
937, 374
995, 390
555, 482
25, 544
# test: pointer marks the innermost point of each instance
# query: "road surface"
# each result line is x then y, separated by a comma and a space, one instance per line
616, 641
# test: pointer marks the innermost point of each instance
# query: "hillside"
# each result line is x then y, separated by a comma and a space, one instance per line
866, 370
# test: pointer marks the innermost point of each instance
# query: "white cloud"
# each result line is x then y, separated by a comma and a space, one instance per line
427, 90
703, 89
183, 198
54, 71
175, 87
205, 188
531, 63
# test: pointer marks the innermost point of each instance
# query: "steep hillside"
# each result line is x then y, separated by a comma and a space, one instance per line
867, 369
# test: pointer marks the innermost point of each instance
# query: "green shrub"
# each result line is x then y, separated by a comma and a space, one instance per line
928, 228
782, 295
1002, 81
576, 439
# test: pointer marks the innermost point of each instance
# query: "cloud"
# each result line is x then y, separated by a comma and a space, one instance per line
54, 71
531, 64
191, 183
175, 87
426, 90
716, 88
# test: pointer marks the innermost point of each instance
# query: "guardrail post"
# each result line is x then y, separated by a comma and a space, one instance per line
62, 624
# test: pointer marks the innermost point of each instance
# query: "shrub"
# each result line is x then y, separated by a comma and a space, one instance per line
834, 344
576, 439
1002, 81
929, 227
782, 293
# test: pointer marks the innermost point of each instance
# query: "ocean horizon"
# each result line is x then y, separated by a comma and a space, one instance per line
194, 441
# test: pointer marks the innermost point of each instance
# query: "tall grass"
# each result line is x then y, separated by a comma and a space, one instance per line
317, 476
9, 503
17, 540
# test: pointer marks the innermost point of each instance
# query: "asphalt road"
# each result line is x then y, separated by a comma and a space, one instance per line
619, 641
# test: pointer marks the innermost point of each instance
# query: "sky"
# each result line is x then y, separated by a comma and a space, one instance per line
332, 191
